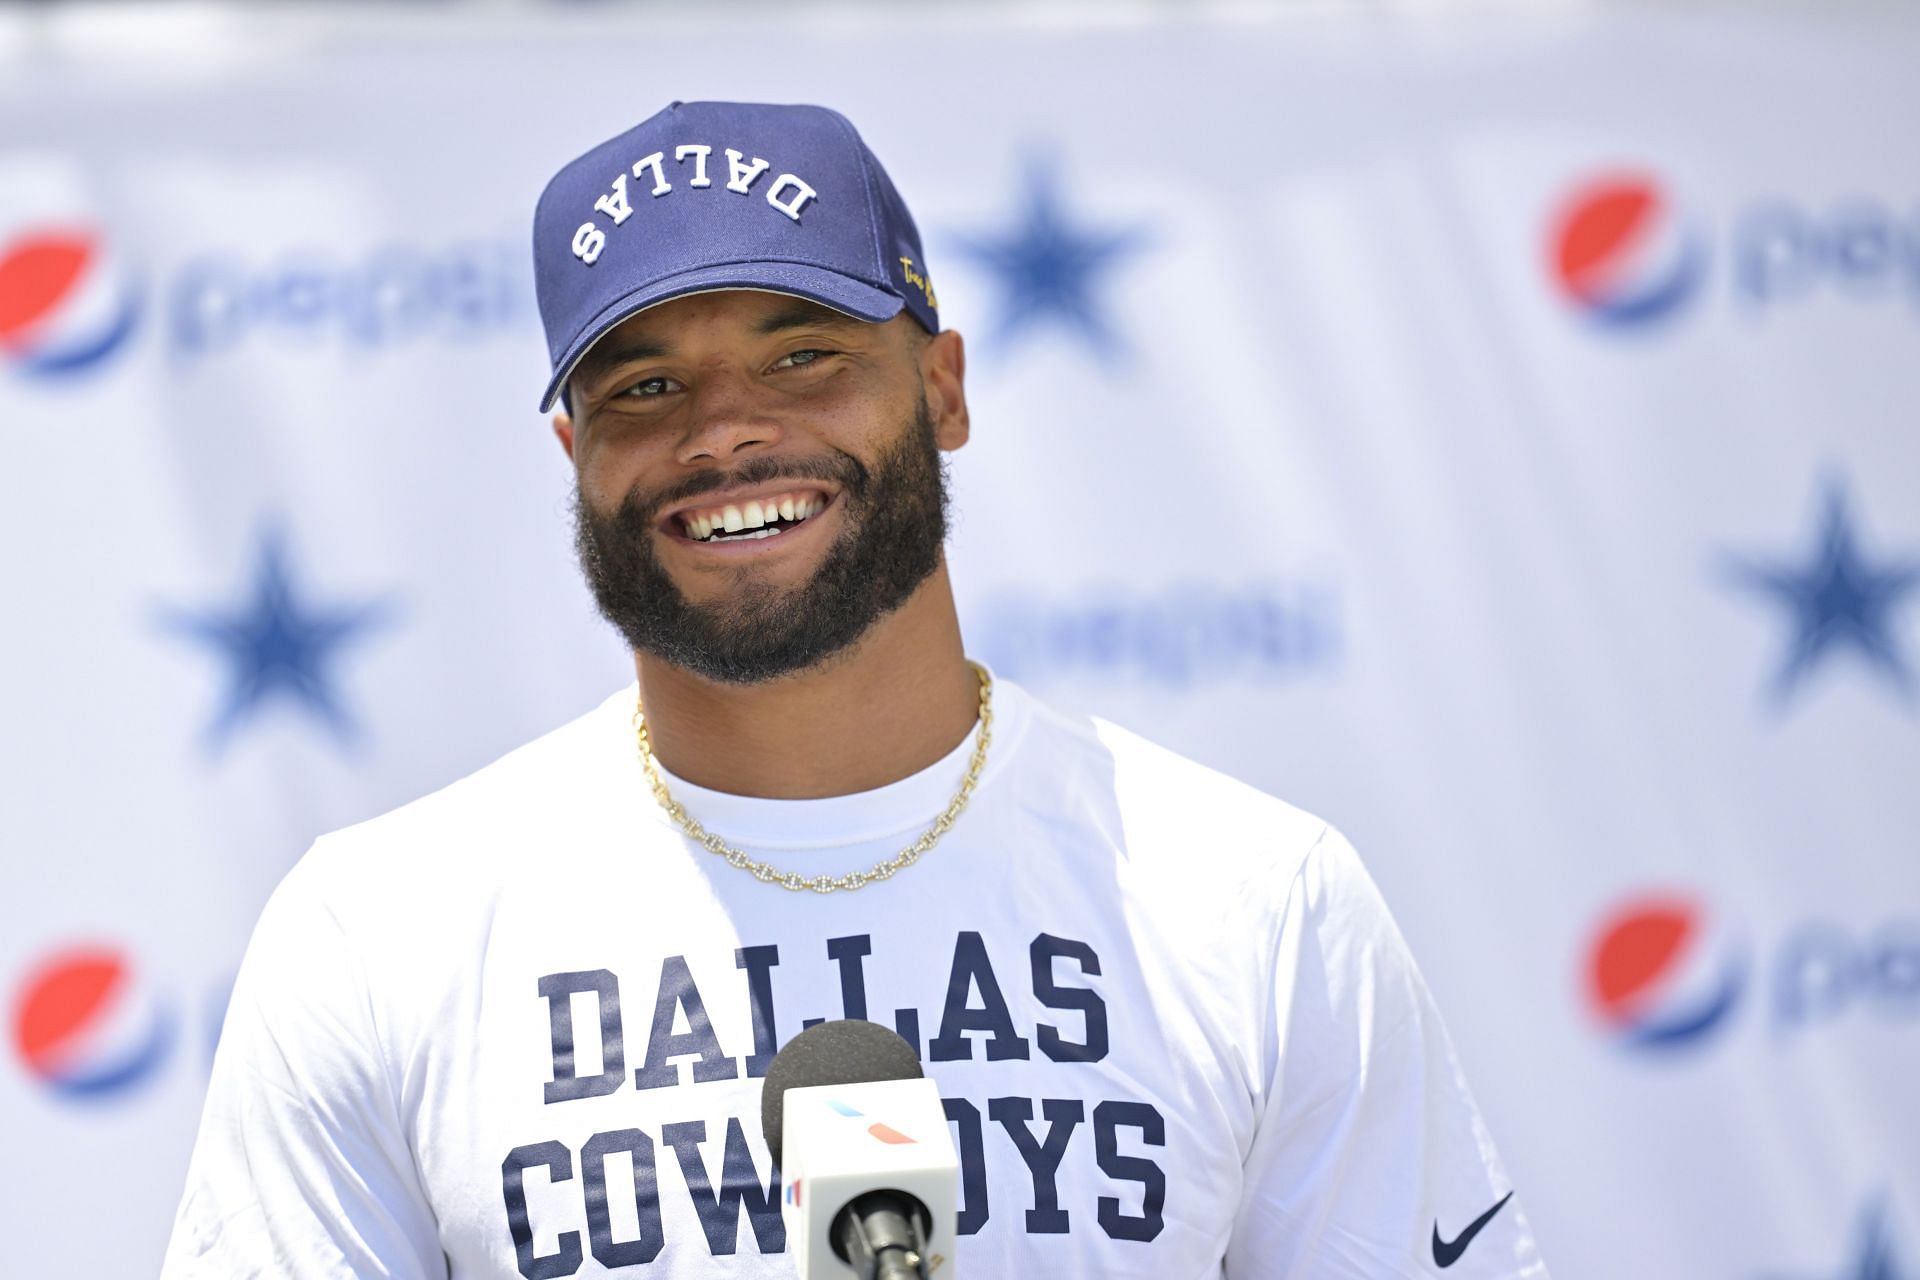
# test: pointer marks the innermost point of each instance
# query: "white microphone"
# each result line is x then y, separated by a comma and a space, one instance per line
869, 1174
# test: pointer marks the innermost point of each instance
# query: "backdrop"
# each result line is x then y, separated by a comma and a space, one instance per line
1496, 434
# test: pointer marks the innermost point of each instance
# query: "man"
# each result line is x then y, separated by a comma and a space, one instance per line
518, 1027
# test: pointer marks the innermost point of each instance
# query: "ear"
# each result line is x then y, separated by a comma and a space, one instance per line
563, 431
943, 367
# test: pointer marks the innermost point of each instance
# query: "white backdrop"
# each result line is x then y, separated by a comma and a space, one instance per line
1498, 434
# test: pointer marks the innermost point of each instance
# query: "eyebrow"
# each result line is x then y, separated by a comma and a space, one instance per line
798, 315
801, 313
598, 362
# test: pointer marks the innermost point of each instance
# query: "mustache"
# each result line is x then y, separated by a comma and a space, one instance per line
840, 468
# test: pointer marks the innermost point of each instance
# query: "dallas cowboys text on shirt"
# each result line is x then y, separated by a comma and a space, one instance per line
1045, 1132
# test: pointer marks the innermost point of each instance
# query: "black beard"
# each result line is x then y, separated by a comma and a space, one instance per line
893, 524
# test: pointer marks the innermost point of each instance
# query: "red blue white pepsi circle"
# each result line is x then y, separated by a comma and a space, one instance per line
1659, 975
63, 306
84, 1026
1622, 254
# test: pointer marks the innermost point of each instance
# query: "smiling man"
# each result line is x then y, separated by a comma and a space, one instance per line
518, 1027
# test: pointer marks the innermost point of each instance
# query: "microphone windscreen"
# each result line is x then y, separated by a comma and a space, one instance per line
848, 1051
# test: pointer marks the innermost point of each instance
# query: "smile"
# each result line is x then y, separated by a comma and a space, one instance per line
757, 518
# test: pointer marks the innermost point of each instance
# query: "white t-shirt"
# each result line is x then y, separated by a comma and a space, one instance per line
517, 1028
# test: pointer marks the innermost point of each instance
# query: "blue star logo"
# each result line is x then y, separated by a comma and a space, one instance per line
1049, 269
277, 644
1836, 601
1874, 1257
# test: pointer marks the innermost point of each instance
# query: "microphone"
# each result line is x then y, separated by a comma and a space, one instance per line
870, 1171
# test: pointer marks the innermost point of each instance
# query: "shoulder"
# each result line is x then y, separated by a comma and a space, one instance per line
1172, 814
467, 835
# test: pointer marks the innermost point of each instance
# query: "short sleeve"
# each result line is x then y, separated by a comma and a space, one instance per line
1370, 1159
301, 1168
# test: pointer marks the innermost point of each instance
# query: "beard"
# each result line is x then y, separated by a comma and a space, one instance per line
894, 521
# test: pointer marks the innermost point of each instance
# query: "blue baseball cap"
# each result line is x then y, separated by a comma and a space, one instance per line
722, 195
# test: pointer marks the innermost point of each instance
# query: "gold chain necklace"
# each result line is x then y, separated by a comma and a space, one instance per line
824, 883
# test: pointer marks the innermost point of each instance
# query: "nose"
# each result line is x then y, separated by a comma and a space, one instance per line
726, 420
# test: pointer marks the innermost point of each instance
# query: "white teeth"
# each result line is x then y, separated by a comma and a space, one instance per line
753, 515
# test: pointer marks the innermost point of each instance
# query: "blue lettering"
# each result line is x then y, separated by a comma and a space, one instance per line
1046, 1218
759, 962
970, 1141
207, 307
646, 1198
1895, 966
1190, 634
1863, 249
394, 294
678, 994
971, 969
906, 1025
389, 301
556, 989
297, 296
1815, 975
1821, 972
1108, 1118
1093, 1010
847, 953
739, 1184
555, 1158
1776, 253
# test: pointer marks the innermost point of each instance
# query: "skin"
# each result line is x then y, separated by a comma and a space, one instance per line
703, 383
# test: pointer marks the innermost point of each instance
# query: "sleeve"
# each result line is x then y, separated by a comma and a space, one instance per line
301, 1168
1370, 1159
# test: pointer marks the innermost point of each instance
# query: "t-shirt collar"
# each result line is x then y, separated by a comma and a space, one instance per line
899, 807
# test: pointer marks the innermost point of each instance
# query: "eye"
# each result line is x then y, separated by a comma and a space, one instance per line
805, 356
646, 388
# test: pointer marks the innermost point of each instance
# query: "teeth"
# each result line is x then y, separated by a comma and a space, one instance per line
753, 515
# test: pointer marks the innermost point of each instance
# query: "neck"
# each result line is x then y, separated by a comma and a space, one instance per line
893, 703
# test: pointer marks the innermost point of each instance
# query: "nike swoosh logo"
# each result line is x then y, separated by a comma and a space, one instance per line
1447, 1252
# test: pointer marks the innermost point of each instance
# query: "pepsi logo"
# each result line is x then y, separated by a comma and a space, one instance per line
86, 1027
64, 305
1659, 975
1621, 254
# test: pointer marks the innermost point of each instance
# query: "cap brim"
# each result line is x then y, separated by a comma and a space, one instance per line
816, 284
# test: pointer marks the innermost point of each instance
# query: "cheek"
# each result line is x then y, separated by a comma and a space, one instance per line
610, 466
861, 424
